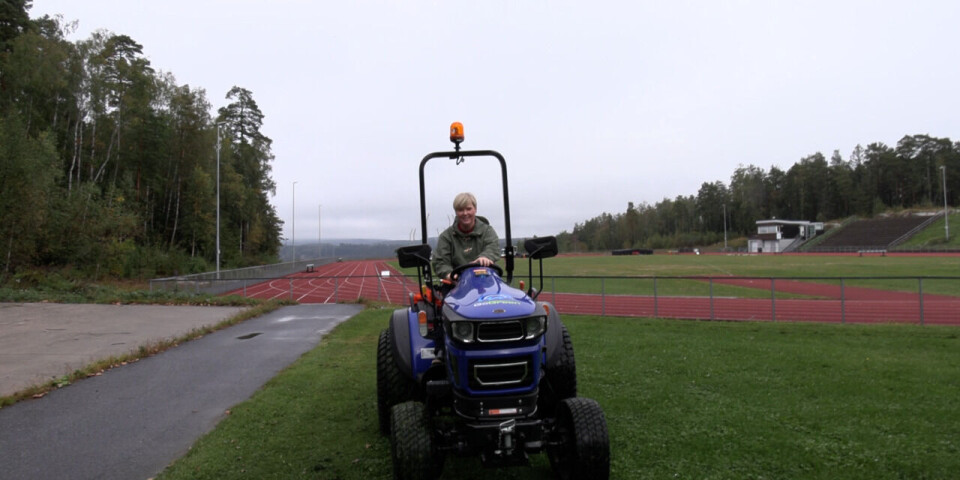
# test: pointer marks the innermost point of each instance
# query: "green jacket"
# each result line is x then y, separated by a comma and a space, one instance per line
455, 248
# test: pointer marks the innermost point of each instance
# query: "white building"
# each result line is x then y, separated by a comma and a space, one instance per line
777, 236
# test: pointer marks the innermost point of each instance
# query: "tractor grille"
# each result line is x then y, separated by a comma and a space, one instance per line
501, 373
499, 331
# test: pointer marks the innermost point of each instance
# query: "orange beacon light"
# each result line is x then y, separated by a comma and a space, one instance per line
456, 133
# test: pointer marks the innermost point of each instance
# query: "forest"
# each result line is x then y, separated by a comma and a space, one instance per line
109, 168
873, 180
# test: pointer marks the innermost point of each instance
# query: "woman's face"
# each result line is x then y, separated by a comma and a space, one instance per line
467, 217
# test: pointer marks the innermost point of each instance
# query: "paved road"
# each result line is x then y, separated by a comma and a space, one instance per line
132, 421
41, 341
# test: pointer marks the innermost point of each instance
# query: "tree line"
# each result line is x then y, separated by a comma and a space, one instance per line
109, 167
871, 181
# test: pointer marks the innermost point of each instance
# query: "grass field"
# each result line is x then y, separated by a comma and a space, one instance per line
683, 399
934, 236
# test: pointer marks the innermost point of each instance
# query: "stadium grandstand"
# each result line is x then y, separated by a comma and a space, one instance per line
873, 234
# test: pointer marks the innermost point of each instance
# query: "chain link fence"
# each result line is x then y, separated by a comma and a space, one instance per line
917, 300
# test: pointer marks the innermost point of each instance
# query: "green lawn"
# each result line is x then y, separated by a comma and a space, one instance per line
683, 399
934, 235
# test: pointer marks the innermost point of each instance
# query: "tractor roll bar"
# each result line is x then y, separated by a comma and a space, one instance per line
508, 248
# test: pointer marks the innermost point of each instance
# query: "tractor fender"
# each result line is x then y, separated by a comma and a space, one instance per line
399, 332
554, 336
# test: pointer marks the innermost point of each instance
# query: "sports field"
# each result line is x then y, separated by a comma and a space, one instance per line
685, 400
724, 400
908, 288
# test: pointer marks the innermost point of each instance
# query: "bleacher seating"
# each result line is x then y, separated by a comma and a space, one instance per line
873, 234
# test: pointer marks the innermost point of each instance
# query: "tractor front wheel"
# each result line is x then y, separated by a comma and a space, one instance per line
583, 449
412, 444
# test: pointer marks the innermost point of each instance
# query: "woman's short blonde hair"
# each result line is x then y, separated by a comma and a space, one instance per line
463, 200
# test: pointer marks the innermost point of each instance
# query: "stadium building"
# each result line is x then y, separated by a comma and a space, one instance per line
779, 236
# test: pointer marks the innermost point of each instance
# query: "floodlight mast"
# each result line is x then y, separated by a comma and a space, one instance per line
946, 221
219, 124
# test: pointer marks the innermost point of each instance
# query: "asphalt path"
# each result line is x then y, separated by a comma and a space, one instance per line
132, 421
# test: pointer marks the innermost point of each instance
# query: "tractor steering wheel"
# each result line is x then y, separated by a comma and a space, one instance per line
457, 271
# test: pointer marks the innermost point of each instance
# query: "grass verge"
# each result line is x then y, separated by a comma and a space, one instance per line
682, 399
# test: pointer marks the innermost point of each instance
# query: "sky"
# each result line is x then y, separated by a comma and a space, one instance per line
593, 104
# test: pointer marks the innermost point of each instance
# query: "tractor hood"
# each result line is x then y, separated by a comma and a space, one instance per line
482, 294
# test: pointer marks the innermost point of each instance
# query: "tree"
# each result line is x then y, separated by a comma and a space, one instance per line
710, 202
252, 215
28, 174
14, 20
748, 198
840, 189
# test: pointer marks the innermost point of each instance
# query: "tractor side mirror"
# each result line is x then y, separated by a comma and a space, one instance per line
414, 256
542, 247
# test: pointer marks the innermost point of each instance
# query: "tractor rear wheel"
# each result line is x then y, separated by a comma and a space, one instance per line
393, 386
561, 375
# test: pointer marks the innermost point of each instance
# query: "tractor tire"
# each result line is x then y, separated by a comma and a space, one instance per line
584, 449
411, 443
393, 386
561, 375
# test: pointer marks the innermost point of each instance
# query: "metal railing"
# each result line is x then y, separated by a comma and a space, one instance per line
919, 300
228, 280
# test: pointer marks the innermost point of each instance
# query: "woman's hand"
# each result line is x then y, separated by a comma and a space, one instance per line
483, 261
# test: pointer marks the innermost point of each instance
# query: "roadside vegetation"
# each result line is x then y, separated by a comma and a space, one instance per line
61, 287
683, 399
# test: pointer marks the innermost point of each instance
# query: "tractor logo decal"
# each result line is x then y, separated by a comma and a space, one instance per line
496, 299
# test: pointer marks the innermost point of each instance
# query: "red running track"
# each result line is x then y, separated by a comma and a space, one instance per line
337, 282
375, 280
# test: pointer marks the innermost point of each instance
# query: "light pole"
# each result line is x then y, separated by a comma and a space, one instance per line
319, 231
293, 226
724, 227
946, 223
219, 125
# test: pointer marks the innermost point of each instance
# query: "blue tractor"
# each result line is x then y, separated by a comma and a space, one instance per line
479, 367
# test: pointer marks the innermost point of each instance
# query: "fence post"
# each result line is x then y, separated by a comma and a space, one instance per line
553, 290
656, 311
603, 297
712, 317
920, 285
843, 303
773, 299
291, 289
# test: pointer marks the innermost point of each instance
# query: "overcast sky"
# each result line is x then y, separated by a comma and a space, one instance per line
593, 103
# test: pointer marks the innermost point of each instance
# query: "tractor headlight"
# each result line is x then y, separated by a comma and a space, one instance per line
462, 331
534, 327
